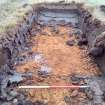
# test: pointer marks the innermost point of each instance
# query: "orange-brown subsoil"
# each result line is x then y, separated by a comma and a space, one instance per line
63, 60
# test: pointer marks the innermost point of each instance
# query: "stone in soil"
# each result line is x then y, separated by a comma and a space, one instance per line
102, 7
16, 78
76, 32
96, 51
67, 100
74, 93
39, 103
44, 71
75, 80
82, 41
70, 42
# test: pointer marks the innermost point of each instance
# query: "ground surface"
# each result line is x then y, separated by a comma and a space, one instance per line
61, 61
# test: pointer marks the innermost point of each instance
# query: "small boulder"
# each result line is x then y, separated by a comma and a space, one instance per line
70, 42
96, 51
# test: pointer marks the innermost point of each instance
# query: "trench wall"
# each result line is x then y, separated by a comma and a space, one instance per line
14, 40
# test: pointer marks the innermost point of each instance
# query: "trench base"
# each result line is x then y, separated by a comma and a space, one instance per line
49, 50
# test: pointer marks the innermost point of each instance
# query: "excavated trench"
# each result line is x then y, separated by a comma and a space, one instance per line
52, 46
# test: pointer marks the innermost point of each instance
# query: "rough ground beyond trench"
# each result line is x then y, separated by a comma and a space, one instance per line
49, 50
